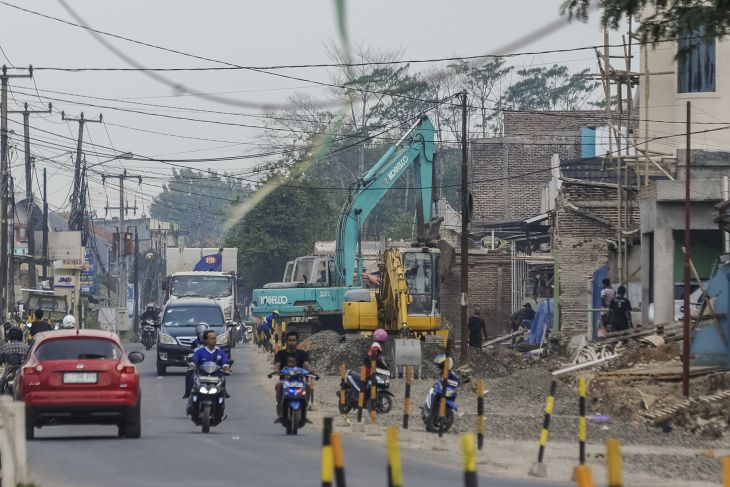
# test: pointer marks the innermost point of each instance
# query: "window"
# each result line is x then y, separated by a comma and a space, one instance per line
78, 349
192, 315
696, 63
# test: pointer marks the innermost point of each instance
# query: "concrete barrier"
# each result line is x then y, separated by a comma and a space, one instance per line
13, 453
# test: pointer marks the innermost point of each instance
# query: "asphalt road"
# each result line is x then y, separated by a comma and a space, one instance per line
247, 449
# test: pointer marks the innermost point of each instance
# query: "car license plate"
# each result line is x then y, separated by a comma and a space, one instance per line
79, 378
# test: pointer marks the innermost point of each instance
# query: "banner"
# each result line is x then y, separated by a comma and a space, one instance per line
212, 263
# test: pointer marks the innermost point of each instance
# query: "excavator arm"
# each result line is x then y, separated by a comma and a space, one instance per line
393, 291
415, 149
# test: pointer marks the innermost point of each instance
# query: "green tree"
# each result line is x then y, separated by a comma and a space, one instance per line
197, 200
663, 20
550, 88
283, 226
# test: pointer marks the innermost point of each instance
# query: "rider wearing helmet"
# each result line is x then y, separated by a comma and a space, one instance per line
375, 352
13, 345
440, 360
195, 344
68, 322
150, 312
199, 331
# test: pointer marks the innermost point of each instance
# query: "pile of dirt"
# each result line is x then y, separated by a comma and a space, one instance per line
328, 350
493, 362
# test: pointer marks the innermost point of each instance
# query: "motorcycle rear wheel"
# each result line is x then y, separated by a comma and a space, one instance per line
205, 418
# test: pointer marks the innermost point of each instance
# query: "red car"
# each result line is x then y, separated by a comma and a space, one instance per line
80, 377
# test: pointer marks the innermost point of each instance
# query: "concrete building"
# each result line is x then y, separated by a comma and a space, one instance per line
701, 78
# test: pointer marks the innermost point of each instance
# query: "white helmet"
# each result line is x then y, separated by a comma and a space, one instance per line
68, 322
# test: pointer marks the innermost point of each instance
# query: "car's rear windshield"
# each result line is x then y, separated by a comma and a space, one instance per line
193, 315
78, 349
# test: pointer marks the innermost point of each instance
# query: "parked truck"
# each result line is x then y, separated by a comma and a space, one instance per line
219, 284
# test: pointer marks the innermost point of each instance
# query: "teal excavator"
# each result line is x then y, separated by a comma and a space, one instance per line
314, 287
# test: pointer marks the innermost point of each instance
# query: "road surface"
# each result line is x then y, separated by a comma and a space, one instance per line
247, 449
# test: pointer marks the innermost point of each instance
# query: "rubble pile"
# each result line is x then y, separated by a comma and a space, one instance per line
710, 419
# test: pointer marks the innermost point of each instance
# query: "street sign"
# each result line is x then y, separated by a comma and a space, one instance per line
66, 281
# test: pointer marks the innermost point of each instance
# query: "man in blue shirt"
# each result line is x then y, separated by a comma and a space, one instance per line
209, 352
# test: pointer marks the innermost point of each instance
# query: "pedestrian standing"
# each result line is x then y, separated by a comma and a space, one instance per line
607, 295
476, 328
620, 311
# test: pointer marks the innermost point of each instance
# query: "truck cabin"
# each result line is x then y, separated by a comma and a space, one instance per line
423, 281
197, 285
54, 307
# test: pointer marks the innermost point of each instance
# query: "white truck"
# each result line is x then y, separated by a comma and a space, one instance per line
183, 281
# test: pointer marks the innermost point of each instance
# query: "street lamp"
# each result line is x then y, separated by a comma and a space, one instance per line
123, 155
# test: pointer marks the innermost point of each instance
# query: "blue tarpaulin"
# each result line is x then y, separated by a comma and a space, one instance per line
212, 263
542, 323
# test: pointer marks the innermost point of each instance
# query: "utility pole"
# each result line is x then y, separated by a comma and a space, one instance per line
45, 224
465, 208
30, 222
122, 267
75, 221
687, 242
6, 261
135, 279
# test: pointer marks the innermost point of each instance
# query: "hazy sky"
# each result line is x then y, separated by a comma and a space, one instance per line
243, 32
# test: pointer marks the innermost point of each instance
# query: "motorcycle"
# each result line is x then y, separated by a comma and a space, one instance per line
12, 365
353, 385
148, 333
430, 410
294, 399
206, 406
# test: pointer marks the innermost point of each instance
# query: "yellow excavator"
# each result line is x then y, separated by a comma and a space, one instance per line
406, 299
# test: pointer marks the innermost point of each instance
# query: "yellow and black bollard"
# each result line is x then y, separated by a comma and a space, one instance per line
327, 454
726, 471
343, 372
480, 414
361, 395
539, 469
283, 334
442, 404
470, 460
373, 393
582, 420
395, 470
613, 458
339, 459
407, 400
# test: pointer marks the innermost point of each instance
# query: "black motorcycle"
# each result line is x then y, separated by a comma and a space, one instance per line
12, 365
148, 333
294, 397
353, 385
206, 405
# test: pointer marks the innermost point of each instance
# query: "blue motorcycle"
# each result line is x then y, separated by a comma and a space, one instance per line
294, 397
430, 410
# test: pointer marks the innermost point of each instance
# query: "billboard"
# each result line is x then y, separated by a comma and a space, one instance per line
88, 274
65, 247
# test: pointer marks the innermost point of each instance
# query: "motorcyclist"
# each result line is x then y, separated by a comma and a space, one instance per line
209, 352
39, 324
375, 352
440, 361
13, 345
150, 313
68, 322
281, 360
195, 344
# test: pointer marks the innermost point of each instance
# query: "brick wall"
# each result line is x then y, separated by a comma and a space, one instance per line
509, 172
483, 273
580, 247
